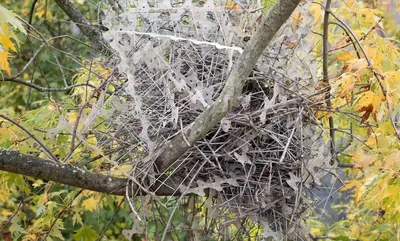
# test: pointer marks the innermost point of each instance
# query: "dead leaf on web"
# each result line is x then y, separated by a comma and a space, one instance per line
137, 228
217, 186
244, 159
292, 182
268, 232
225, 124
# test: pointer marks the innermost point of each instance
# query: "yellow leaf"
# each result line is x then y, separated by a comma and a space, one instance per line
347, 81
355, 65
40, 13
344, 56
317, 11
368, 104
350, 185
375, 55
121, 170
392, 161
90, 204
5, 39
297, 19
230, 5
4, 55
392, 79
5, 213
368, 17
363, 160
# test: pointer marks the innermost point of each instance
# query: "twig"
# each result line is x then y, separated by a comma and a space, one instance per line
4, 224
111, 219
60, 213
47, 150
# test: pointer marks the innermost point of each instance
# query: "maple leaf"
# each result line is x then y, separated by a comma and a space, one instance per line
344, 56
368, 104
355, 65
77, 219
7, 16
5, 39
230, 5
347, 81
90, 204
367, 112
363, 160
4, 62
85, 234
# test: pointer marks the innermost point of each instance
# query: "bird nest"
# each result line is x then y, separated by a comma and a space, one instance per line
175, 59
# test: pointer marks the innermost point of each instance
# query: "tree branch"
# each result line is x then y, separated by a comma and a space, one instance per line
28, 165
84, 25
271, 23
326, 80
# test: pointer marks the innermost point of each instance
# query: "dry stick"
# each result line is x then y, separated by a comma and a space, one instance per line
326, 79
271, 23
45, 148
370, 66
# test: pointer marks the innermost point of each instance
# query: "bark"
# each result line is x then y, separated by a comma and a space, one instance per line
28, 165
271, 23
85, 26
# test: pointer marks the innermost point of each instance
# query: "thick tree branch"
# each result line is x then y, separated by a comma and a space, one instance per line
28, 165
233, 88
84, 25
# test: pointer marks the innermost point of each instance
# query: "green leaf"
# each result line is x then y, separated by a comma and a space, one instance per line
85, 234
40, 209
342, 238
7, 16
16, 228
77, 219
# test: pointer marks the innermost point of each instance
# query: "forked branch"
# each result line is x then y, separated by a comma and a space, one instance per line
270, 25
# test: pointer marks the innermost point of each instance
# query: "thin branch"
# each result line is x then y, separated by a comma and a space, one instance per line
15, 77
44, 89
45, 148
85, 26
326, 79
111, 219
4, 224
271, 23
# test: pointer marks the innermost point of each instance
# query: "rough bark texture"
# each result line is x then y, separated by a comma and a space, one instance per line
28, 165
85, 26
233, 88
